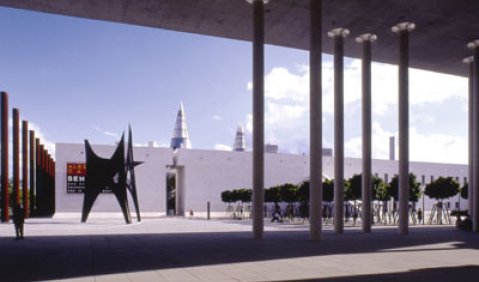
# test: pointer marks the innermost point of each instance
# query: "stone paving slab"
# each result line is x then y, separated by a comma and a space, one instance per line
178, 249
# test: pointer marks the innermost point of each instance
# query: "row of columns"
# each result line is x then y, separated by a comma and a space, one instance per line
315, 61
37, 174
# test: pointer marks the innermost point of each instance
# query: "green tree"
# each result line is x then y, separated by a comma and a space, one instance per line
235, 195
328, 190
289, 193
303, 192
272, 195
380, 190
442, 188
226, 196
353, 188
414, 190
244, 195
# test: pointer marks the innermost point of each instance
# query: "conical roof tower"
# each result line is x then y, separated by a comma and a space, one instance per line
240, 143
180, 138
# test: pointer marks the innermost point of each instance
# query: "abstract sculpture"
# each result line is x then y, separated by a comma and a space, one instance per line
130, 173
105, 174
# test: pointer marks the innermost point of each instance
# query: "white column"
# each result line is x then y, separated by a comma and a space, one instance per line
403, 29
338, 35
315, 123
475, 136
180, 190
469, 61
258, 117
367, 187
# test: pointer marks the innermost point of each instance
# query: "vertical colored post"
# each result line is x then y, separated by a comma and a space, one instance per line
338, 35
16, 155
44, 181
4, 158
26, 195
315, 122
53, 186
367, 187
32, 172
403, 29
49, 183
39, 184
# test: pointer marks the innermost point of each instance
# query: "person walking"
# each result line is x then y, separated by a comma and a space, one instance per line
18, 221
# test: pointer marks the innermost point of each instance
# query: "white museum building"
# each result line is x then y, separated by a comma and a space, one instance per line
201, 175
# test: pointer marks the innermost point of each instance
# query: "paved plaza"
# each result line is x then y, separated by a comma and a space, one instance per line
182, 249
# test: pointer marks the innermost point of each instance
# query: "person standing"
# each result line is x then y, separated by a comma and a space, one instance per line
18, 221
419, 215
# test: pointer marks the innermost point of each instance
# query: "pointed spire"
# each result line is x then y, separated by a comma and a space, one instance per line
240, 143
180, 138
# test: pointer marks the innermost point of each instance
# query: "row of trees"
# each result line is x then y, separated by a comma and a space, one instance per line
441, 188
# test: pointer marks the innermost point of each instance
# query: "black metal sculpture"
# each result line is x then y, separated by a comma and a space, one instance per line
130, 173
105, 174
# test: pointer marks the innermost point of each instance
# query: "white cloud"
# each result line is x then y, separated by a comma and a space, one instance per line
249, 86
114, 135
282, 86
437, 147
380, 143
217, 117
287, 107
222, 147
49, 145
424, 147
249, 124
154, 144
428, 87
422, 118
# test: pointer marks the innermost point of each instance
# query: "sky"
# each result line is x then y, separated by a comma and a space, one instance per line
76, 79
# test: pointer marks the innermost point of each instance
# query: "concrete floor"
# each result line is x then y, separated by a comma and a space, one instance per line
176, 249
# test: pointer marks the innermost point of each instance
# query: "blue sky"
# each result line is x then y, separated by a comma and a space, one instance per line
78, 78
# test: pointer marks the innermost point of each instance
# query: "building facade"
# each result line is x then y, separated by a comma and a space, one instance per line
201, 175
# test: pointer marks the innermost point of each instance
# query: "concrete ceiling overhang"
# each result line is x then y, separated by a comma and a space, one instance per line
443, 27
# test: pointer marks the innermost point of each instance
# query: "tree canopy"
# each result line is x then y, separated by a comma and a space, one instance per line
272, 195
442, 188
328, 190
353, 188
242, 194
226, 196
289, 192
303, 192
380, 190
414, 190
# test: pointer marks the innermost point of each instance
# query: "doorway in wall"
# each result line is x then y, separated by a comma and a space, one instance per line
170, 194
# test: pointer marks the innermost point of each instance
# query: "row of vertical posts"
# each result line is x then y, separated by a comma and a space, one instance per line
338, 34
37, 173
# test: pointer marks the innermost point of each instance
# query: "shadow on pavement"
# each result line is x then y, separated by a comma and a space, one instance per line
60, 257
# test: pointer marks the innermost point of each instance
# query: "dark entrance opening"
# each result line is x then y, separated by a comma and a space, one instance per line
170, 194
